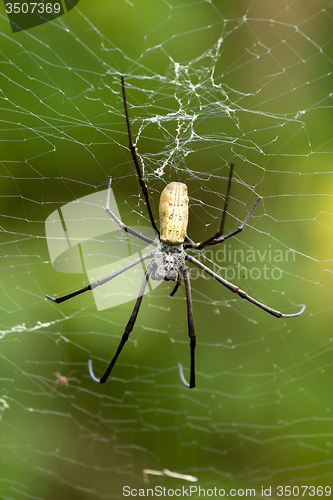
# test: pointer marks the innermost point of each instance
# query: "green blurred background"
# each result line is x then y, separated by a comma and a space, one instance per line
207, 83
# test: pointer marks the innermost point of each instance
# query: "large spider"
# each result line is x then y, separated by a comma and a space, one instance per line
169, 256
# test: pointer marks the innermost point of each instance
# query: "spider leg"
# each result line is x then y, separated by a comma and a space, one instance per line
214, 240
191, 242
240, 292
91, 371
177, 285
130, 325
217, 237
238, 229
101, 281
123, 226
137, 163
220, 231
182, 376
190, 321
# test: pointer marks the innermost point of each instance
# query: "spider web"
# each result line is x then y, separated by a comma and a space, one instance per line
207, 83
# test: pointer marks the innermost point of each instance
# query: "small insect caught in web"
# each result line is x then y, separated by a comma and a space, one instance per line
169, 256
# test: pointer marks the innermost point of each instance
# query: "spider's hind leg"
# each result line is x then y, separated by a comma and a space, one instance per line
190, 321
130, 325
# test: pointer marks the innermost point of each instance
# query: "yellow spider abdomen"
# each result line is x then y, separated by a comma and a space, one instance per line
173, 213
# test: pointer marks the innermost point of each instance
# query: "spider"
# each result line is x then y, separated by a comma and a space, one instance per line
169, 255
64, 379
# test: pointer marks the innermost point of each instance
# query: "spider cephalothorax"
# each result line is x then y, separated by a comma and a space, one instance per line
168, 260
169, 256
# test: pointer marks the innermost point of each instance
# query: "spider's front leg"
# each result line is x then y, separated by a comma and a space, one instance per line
132, 148
217, 237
